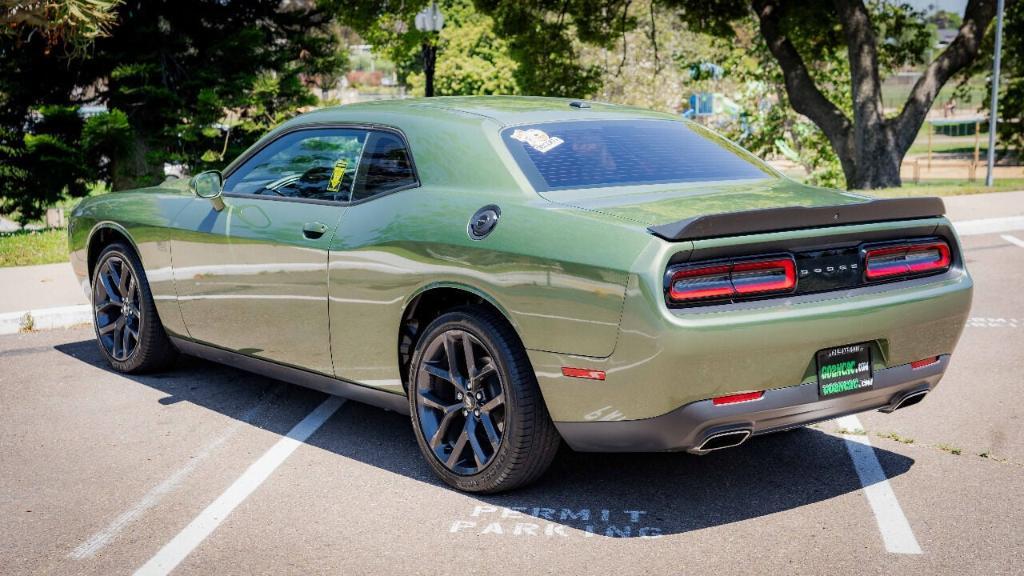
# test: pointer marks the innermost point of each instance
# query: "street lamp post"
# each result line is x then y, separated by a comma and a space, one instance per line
429, 20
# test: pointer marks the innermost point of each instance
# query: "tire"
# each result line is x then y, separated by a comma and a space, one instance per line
455, 429
128, 330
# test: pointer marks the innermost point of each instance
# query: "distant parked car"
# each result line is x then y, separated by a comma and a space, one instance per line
513, 272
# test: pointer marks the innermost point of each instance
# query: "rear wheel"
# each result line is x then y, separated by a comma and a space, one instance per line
476, 408
128, 329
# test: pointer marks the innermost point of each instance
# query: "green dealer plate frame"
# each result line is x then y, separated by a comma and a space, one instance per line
844, 370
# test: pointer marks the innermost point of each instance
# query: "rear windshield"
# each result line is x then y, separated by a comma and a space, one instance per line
596, 153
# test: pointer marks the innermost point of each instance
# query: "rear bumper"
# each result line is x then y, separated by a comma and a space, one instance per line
688, 427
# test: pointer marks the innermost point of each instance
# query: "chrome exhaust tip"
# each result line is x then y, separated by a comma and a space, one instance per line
911, 399
905, 400
721, 440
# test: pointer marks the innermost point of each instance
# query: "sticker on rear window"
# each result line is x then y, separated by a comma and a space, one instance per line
537, 139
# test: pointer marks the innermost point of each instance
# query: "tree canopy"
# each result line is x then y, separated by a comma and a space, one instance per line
190, 81
75, 24
194, 82
1010, 128
871, 38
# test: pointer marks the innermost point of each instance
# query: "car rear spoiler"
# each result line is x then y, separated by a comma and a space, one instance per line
798, 217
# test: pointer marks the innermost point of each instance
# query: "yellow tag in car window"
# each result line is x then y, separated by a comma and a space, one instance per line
337, 175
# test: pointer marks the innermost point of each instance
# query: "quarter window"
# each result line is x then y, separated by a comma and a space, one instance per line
385, 167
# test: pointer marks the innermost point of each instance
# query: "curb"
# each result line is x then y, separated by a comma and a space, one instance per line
45, 319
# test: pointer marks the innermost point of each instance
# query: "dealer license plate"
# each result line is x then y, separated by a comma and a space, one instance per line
844, 370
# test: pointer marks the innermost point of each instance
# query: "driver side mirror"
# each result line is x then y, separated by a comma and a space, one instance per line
210, 186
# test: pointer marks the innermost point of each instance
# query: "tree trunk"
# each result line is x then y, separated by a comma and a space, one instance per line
875, 162
134, 168
870, 147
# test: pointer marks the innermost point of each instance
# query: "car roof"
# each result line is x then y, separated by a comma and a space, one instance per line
505, 110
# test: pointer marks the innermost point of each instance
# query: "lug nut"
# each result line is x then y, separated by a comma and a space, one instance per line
476, 413
479, 395
458, 396
465, 412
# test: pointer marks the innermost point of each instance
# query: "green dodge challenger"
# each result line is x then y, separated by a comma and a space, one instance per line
514, 272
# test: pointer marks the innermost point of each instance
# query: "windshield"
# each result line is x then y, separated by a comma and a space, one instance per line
597, 153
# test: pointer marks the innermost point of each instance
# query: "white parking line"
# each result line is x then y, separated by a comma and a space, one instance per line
100, 539
982, 322
1013, 240
895, 529
209, 519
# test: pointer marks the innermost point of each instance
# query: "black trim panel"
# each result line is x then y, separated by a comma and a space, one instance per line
798, 217
326, 384
687, 427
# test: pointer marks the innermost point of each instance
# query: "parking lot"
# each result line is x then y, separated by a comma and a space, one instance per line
209, 469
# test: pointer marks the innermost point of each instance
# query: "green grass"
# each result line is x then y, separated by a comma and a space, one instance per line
895, 95
949, 188
897, 438
67, 203
958, 146
28, 248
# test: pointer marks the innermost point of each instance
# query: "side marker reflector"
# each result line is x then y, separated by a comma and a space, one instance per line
583, 373
924, 362
737, 398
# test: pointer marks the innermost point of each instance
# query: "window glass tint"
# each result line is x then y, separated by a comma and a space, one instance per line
312, 164
385, 166
586, 154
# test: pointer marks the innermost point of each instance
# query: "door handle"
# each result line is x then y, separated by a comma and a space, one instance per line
313, 230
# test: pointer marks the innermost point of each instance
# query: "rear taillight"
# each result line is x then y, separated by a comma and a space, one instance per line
586, 373
894, 261
737, 398
724, 280
924, 362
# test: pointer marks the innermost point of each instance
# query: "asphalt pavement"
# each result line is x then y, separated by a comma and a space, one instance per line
208, 469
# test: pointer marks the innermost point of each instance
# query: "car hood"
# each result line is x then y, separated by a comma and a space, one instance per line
655, 205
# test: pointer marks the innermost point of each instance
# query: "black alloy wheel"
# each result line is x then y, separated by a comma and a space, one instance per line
128, 328
477, 411
461, 402
116, 300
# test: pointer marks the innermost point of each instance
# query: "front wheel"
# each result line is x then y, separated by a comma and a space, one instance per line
128, 329
477, 411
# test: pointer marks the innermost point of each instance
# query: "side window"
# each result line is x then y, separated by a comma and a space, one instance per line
311, 164
385, 166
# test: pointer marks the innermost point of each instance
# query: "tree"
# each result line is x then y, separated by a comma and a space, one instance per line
73, 23
1011, 103
945, 19
648, 66
200, 80
1010, 129
328, 61
472, 58
543, 36
52, 163
190, 81
870, 145
765, 123
40, 156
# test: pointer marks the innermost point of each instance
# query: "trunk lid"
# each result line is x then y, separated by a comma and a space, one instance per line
663, 204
